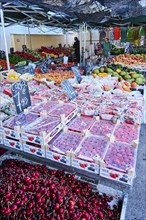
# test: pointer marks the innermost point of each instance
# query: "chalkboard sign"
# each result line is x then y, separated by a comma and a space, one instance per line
69, 89
30, 68
21, 95
43, 68
77, 74
44, 65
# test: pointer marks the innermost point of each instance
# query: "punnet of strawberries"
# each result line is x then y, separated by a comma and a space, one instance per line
35, 192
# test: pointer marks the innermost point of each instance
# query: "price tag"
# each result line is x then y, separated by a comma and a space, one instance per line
77, 74
43, 68
44, 65
48, 60
21, 95
30, 68
69, 89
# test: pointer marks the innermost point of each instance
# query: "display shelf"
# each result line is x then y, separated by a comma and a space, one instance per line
87, 176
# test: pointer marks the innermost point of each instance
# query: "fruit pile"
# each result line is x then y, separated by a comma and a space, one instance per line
57, 52
3, 64
79, 124
120, 156
132, 77
12, 76
34, 53
66, 142
126, 133
27, 56
92, 147
46, 124
57, 75
102, 128
15, 58
128, 59
32, 191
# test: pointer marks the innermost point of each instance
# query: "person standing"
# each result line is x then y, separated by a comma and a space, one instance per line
107, 46
76, 46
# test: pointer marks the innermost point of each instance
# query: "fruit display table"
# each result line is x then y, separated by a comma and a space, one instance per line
95, 135
78, 133
38, 186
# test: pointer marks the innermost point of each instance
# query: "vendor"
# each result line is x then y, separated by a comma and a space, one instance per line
106, 46
76, 46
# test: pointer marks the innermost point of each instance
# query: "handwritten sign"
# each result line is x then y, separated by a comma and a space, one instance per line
43, 68
44, 65
30, 68
69, 89
77, 74
21, 95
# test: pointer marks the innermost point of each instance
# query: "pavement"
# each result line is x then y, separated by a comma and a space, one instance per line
136, 206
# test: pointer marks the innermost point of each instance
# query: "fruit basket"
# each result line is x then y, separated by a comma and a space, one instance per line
127, 133
37, 179
60, 149
102, 128
80, 124
89, 153
42, 130
119, 163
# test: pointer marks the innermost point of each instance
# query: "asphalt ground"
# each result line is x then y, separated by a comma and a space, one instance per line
136, 206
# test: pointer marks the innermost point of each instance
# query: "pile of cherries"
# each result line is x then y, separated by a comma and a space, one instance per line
34, 192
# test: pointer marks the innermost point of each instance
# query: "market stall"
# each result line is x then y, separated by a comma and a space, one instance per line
74, 130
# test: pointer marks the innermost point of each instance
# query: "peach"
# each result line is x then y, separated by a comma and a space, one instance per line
133, 85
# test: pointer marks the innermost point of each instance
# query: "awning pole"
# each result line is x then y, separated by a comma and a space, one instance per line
66, 39
84, 43
4, 34
25, 37
30, 43
80, 39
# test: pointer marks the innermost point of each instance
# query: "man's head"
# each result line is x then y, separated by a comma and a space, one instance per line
106, 39
75, 38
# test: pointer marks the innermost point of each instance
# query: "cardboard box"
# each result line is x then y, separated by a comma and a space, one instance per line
117, 176
13, 143
35, 150
58, 157
61, 147
12, 126
32, 134
119, 163
85, 165
1, 139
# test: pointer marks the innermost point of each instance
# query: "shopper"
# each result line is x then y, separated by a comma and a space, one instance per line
76, 46
107, 46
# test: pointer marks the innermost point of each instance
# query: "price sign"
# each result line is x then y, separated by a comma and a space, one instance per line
77, 74
43, 68
21, 95
30, 68
44, 65
69, 89
48, 60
